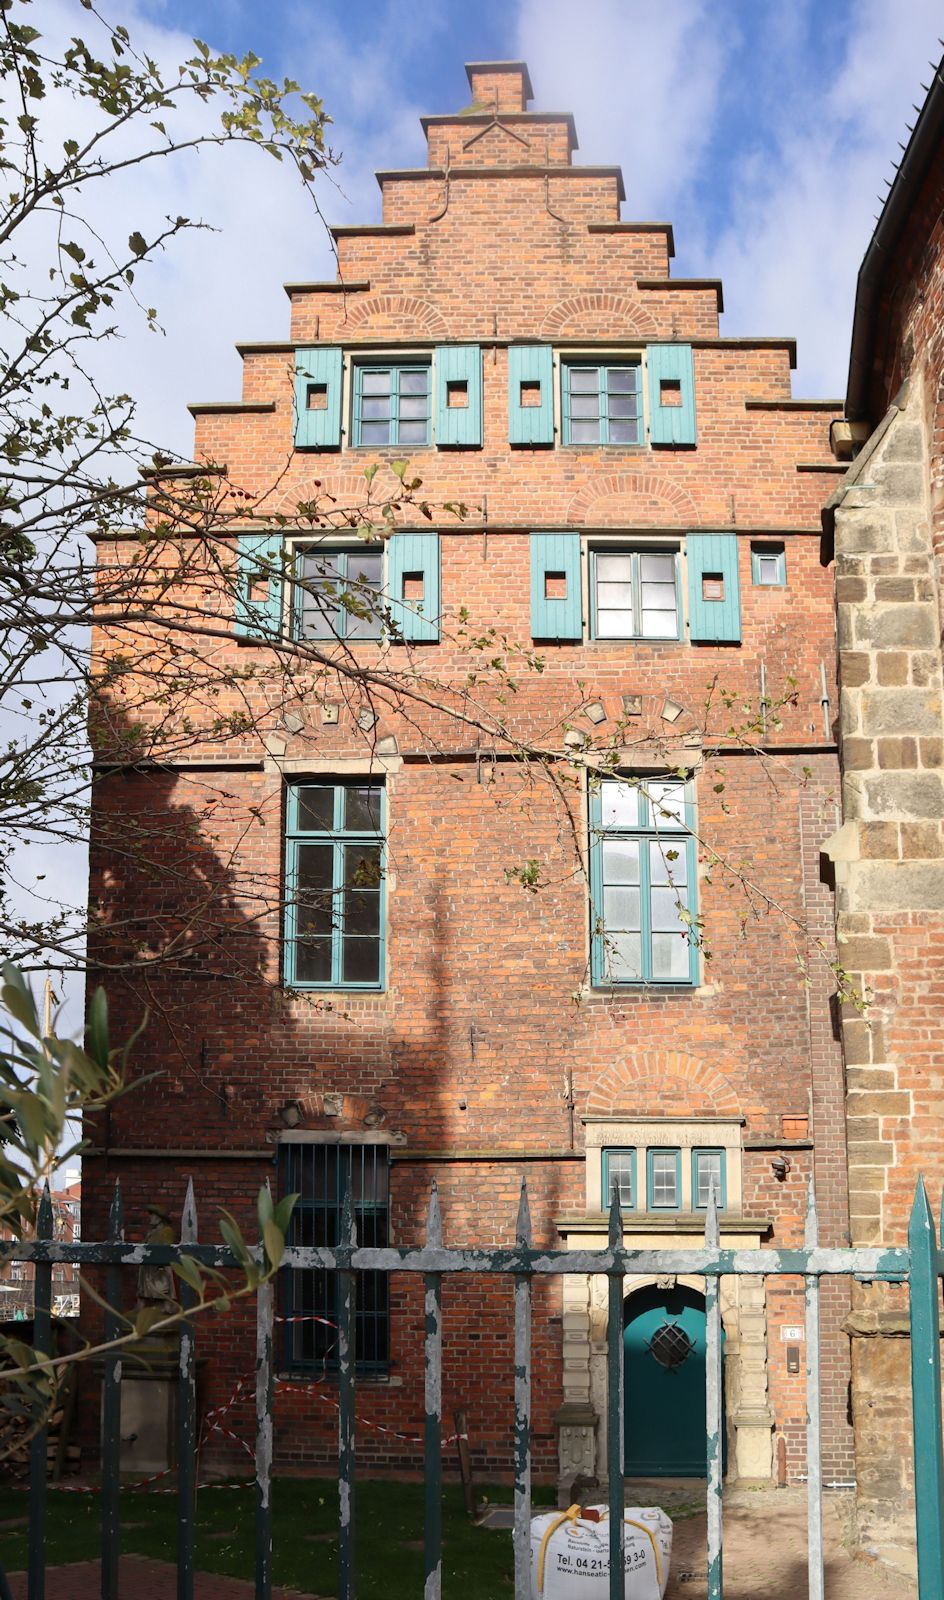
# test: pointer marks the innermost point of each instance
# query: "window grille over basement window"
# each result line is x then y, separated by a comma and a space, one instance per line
321, 1175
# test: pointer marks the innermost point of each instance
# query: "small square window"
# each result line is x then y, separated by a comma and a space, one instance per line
457, 394
530, 394
712, 586
317, 397
768, 566
413, 587
670, 392
555, 586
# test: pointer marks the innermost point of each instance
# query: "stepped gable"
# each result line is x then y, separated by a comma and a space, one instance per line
503, 238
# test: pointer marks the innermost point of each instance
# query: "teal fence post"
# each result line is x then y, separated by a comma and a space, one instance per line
714, 1407
614, 1401
42, 1347
926, 1397
432, 1524
265, 1312
347, 1358
186, 1417
111, 1411
522, 1528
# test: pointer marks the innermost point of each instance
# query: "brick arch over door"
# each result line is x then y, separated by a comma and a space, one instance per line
662, 1083
395, 314
597, 314
632, 500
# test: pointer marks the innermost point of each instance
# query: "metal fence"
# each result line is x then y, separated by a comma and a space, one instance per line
920, 1266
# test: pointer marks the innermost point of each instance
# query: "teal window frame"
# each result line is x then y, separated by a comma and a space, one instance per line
397, 370
663, 1205
634, 1193
646, 830
635, 552
346, 619
341, 839
761, 552
320, 1175
605, 395
722, 1198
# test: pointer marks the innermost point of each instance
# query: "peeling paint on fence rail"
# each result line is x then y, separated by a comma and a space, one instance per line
921, 1266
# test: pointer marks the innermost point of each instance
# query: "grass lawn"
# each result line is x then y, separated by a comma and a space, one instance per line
477, 1563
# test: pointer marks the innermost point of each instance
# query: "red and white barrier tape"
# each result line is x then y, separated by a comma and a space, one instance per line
212, 1423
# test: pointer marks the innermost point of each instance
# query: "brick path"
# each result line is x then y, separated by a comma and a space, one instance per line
765, 1553
140, 1579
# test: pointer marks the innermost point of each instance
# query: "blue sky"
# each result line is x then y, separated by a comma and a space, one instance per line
763, 131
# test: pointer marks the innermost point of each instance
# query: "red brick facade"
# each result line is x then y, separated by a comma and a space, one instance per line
488, 1016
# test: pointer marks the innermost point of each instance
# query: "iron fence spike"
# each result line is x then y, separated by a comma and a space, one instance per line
188, 1219
616, 1221
44, 1215
712, 1228
523, 1223
434, 1231
116, 1213
941, 1230
348, 1225
811, 1222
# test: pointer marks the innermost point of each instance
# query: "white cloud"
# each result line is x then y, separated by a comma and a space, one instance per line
656, 88
214, 288
802, 216
642, 81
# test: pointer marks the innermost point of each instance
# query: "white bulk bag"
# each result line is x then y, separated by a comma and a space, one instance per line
570, 1554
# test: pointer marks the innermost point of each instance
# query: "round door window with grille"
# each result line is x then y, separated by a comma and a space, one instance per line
670, 1346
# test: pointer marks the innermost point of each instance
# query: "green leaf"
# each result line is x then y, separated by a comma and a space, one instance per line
264, 1207
274, 1243
145, 1320
97, 1031
187, 1269
137, 243
234, 1239
18, 999
283, 1211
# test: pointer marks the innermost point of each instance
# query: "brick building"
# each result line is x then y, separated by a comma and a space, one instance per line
511, 990
887, 518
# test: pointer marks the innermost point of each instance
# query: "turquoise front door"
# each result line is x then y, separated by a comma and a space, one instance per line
664, 1373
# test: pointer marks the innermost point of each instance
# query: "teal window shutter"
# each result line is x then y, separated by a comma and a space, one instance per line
413, 586
318, 398
259, 586
556, 600
530, 394
714, 595
458, 395
671, 394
